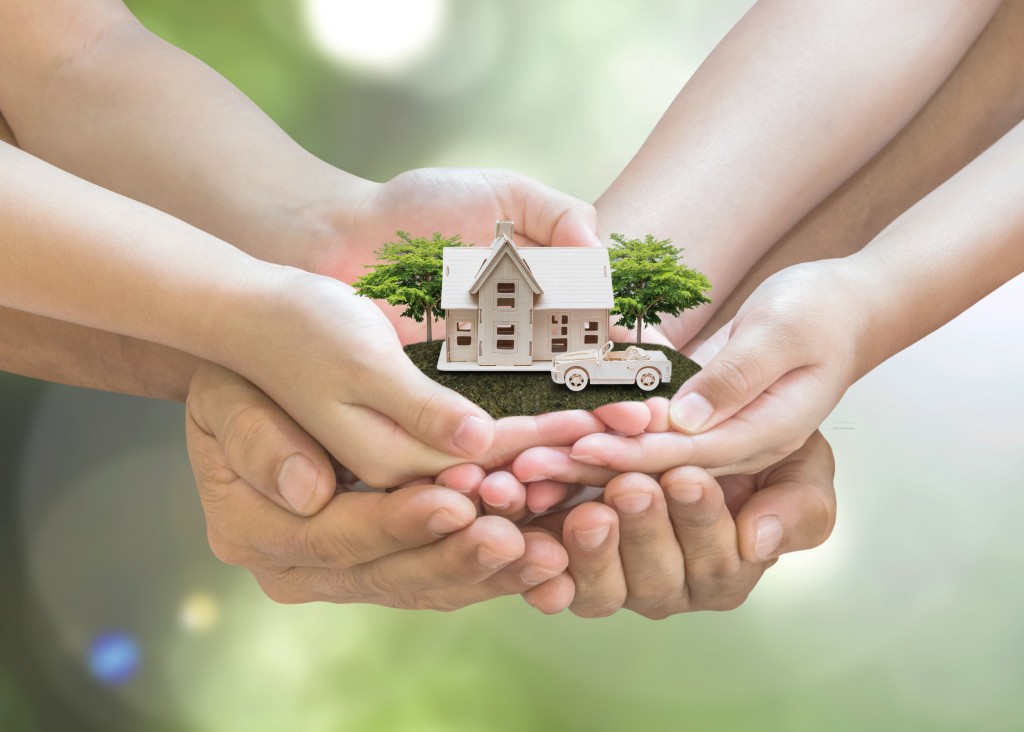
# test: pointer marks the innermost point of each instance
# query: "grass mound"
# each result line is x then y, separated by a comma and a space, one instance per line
509, 393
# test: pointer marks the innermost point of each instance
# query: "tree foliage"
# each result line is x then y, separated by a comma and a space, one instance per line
649, 281
408, 273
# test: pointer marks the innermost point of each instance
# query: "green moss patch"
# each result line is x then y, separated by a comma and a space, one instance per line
509, 393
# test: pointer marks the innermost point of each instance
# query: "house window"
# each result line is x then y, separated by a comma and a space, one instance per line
590, 332
559, 326
463, 333
559, 345
464, 326
505, 336
505, 295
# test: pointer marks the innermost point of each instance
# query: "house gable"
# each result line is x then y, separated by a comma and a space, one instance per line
504, 247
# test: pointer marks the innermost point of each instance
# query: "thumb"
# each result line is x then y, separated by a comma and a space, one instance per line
548, 216
257, 441
431, 413
749, 362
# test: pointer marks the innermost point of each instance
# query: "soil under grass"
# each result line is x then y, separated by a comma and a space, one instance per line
510, 393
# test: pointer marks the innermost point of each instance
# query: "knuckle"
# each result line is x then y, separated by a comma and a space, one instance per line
370, 580
736, 377
244, 433
224, 550
729, 600
334, 548
601, 609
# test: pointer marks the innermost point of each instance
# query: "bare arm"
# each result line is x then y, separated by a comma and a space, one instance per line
52, 350
794, 100
87, 88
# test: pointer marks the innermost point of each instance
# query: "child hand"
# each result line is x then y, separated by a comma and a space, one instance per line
793, 350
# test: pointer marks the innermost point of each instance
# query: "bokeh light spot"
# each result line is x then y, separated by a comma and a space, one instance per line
383, 36
199, 612
114, 658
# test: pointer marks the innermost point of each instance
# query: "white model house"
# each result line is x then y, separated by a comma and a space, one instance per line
507, 307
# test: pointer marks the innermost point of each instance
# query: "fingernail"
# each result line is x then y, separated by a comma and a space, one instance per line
690, 413
768, 537
472, 435
632, 503
686, 492
535, 478
582, 457
443, 522
533, 574
297, 482
491, 559
591, 539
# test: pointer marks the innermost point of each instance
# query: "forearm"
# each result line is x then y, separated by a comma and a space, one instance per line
954, 247
116, 105
78, 253
979, 103
43, 348
794, 100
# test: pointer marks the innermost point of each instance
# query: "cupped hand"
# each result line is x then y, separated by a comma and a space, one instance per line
464, 201
685, 541
274, 505
792, 351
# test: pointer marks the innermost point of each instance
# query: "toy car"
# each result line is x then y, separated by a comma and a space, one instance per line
647, 369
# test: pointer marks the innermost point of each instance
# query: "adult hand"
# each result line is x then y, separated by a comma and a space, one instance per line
260, 477
464, 201
688, 542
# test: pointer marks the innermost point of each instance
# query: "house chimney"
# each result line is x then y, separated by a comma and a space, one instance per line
503, 227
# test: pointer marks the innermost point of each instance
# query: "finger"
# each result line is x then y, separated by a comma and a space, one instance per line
703, 351
467, 557
353, 529
255, 439
590, 536
503, 495
553, 596
716, 576
554, 463
795, 508
543, 495
543, 560
548, 216
756, 356
429, 412
629, 418
760, 435
513, 435
652, 560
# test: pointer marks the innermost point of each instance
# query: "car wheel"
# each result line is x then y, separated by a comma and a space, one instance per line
576, 379
648, 379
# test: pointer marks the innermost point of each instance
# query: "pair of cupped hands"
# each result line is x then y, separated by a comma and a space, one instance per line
700, 495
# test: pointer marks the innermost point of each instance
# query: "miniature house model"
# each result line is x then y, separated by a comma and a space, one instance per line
510, 308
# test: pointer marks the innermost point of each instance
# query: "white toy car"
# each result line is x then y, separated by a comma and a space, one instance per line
646, 369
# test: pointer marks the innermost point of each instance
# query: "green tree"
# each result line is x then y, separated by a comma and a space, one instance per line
649, 281
409, 273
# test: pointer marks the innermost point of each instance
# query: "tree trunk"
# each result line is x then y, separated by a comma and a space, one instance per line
639, 329
430, 322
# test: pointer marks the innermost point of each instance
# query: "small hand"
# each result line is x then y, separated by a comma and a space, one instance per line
261, 479
794, 349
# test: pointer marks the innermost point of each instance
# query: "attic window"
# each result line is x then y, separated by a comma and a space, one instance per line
507, 287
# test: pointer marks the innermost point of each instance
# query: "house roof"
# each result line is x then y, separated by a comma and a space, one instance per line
568, 277
504, 246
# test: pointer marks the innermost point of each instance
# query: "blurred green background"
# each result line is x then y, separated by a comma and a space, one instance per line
908, 619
